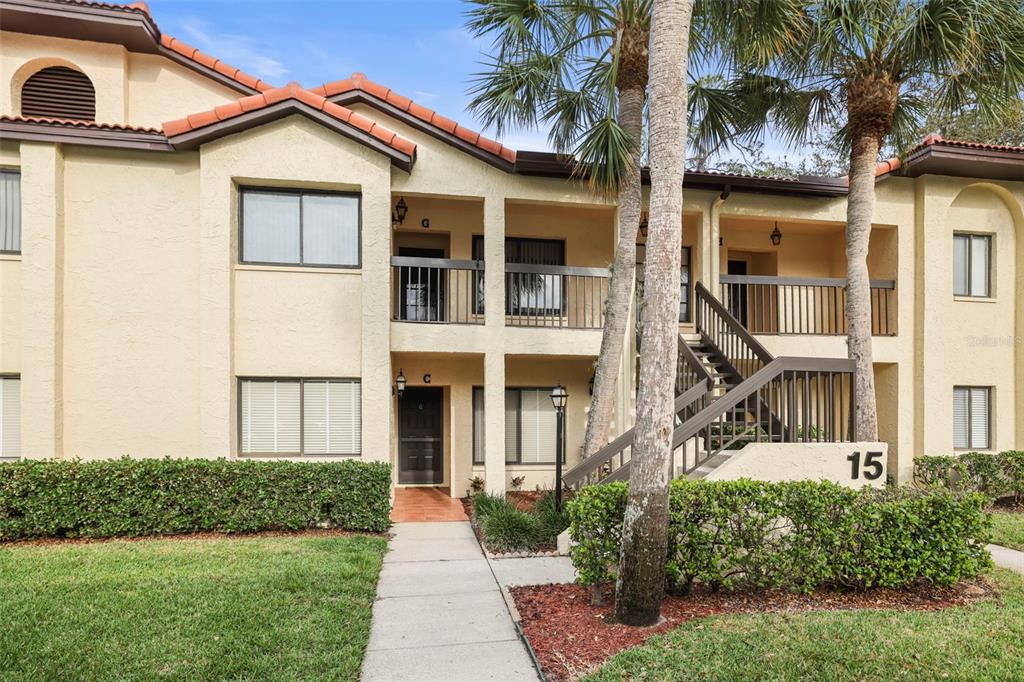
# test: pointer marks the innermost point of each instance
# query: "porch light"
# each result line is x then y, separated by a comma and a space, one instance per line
400, 384
401, 210
643, 224
558, 398
776, 236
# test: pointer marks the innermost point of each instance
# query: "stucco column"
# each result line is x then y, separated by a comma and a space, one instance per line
494, 422
494, 360
218, 218
42, 291
376, 320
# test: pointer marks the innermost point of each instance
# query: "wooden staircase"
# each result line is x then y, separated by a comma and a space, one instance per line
730, 391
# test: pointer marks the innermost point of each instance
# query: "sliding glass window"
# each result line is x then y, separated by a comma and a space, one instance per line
286, 227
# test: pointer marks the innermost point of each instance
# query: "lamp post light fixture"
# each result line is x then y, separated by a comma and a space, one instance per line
558, 398
776, 236
401, 210
400, 384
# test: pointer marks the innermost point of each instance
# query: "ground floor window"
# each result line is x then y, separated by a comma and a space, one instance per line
972, 418
10, 417
299, 417
531, 426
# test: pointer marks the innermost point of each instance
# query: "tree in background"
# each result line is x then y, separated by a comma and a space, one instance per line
857, 67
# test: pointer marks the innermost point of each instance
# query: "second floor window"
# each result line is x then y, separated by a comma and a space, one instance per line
10, 212
972, 265
281, 227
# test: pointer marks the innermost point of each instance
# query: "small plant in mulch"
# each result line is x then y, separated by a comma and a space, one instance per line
571, 637
520, 522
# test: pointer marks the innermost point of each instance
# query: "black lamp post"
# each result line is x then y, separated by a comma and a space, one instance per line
400, 384
558, 398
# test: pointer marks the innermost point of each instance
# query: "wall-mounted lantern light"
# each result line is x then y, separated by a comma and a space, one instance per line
400, 384
401, 210
776, 236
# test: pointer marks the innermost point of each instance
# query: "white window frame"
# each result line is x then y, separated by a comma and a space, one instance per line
302, 381
990, 393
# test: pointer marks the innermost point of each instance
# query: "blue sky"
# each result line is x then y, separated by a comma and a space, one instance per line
417, 47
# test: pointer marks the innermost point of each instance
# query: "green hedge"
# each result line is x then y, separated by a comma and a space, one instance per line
995, 475
135, 497
794, 535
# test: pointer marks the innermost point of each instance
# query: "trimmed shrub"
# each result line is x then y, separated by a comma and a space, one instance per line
508, 529
485, 503
137, 497
552, 522
995, 475
795, 535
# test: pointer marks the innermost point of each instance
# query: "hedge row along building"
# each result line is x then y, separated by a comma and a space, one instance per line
197, 263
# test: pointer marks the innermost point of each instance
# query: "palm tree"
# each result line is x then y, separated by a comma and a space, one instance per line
858, 69
581, 68
641, 583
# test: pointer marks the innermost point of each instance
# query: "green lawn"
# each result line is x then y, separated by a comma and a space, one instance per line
1008, 529
238, 608
981, 641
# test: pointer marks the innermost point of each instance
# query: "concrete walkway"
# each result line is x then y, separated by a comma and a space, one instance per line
1007, 558
440, 614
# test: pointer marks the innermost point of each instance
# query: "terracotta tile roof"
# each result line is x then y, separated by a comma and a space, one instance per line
935, 138
890, 166
92, 125
182, 48
217, 65
359, 81
291, 91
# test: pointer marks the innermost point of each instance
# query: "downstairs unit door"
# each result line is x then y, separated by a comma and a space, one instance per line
420, 436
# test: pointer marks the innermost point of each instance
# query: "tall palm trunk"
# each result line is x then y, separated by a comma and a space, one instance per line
871, 103
641, 583
620, 288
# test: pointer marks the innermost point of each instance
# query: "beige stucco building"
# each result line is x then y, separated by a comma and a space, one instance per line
198, 264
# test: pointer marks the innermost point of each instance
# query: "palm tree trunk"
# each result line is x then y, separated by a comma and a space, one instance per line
641, 583
860, 207
620, 288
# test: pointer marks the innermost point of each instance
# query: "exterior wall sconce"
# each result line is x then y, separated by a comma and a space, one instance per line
776, 236
400, 384
401, 210
643, 224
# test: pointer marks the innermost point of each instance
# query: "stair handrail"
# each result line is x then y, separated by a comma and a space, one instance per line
741, 393
686, 356
708, 298
589, 465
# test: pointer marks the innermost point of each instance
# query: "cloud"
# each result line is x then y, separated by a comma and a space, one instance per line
237, 50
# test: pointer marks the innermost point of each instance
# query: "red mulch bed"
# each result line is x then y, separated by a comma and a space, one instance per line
307, 533
571, 638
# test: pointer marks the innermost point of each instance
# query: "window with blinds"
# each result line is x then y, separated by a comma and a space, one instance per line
300, 417
283, 227
972, 265
972, 418
10, 211
59, 92
531, 426
10, 417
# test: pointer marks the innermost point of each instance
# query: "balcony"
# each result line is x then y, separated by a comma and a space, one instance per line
803, 305
445, 291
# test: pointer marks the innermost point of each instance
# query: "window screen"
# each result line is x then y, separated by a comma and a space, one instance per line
299, 228
10, 212
972, 418
10, 417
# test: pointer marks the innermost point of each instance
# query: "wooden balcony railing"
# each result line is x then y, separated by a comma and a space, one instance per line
437, 290
555, 296
803, 305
